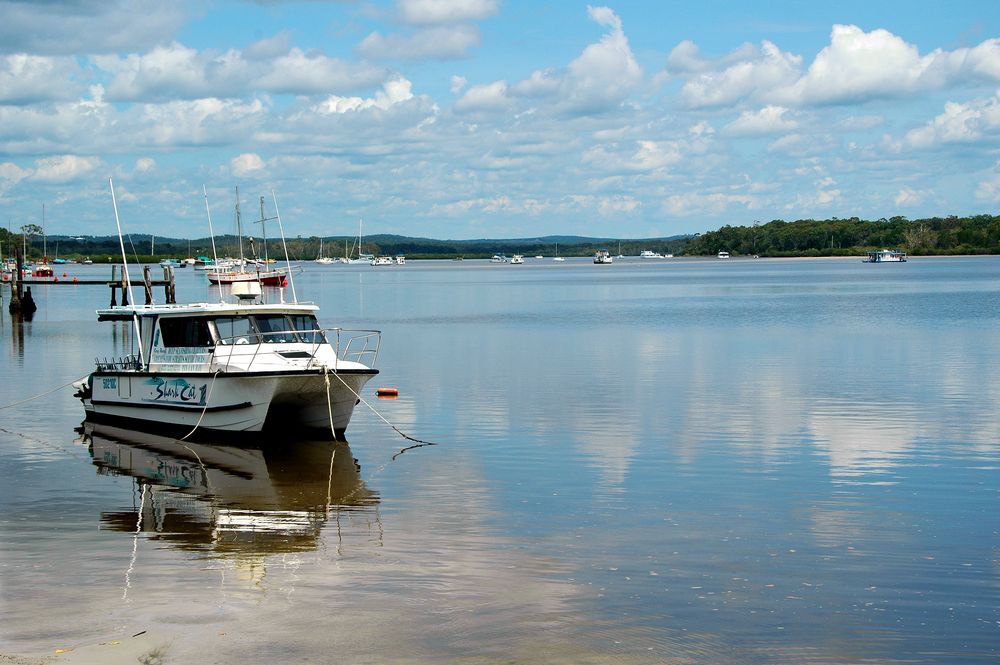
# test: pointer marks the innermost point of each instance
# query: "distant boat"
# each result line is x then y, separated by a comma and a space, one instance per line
498, 258
517, 259
87, 261
539, 256
381, 261
886, 256
723, 255
603, 256
400, 260
649, 254
323, 260
557, 257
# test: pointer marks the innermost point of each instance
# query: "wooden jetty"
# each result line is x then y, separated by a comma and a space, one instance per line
116, 283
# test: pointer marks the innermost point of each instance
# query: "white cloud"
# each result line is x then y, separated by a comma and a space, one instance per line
435, 43
435, 12
145, 165
754, 76
197, 122
541, 83
64, 168
960, 123
487, 97
178, 72
685, 58
458, 83
88, 26
909, 197
12, 173
768, 120
606, 72
855, 66
646, 156
989, 189
393, 92
300, 72
858, 65
245, 164
29, 78
695, 203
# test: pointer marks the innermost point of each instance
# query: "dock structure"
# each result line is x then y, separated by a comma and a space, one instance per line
116, 283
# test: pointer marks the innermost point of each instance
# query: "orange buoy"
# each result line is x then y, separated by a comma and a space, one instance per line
387, 393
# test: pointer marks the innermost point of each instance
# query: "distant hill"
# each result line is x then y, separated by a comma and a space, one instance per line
148, 248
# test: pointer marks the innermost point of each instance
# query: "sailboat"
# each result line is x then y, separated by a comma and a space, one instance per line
557, 257
362, 258
256, 271
323, 260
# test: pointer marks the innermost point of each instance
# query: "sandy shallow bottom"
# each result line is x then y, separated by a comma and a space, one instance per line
149, 648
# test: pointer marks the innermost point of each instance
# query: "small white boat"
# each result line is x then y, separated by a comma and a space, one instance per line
649, 254
87, 261
723, 255
517, 259
539, 256
381, 261
400, 260
498, 258
603, 256
231, 367
886, 256
321, 259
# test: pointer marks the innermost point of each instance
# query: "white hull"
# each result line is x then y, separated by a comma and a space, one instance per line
228, 402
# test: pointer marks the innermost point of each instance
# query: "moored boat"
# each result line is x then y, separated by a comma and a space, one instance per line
229, 367
885, 256
232, 367
603, 256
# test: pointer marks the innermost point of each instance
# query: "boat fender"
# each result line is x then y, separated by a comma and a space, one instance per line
390, 393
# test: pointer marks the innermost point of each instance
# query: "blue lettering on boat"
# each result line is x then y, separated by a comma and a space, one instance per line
175, 391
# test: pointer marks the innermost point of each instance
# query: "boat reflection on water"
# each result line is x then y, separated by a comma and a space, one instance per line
222, 499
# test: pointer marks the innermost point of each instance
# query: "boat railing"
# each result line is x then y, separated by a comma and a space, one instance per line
358, 345
119, 364
353, 345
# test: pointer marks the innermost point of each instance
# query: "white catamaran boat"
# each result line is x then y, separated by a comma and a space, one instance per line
231, 367
886, 256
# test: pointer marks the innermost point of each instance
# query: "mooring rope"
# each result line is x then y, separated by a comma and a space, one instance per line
326, 373
45, 394
204, 409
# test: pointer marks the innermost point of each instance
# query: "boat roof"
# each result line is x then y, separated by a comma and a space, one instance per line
207, 309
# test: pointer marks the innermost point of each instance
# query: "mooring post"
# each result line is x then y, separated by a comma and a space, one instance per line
169, 293
114, 285
15, 286
147, 285
124, 284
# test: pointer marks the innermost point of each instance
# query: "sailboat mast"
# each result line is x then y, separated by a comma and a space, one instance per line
239, 226
263, 234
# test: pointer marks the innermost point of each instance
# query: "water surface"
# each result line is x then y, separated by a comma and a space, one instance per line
677, 461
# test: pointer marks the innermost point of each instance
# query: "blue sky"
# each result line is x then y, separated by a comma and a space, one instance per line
496, 118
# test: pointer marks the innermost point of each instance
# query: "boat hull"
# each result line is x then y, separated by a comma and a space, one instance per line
217, 403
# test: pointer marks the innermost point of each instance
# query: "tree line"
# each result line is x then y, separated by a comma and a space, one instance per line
979, 234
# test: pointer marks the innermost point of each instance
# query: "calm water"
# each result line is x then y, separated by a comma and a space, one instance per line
648, 462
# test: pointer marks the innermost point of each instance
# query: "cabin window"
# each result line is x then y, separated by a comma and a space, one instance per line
235, 330
177, 332
274, 329
307, 328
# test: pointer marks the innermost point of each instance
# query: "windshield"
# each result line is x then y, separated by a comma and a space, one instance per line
269, 329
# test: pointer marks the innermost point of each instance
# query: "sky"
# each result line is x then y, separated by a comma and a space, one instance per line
460, 119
